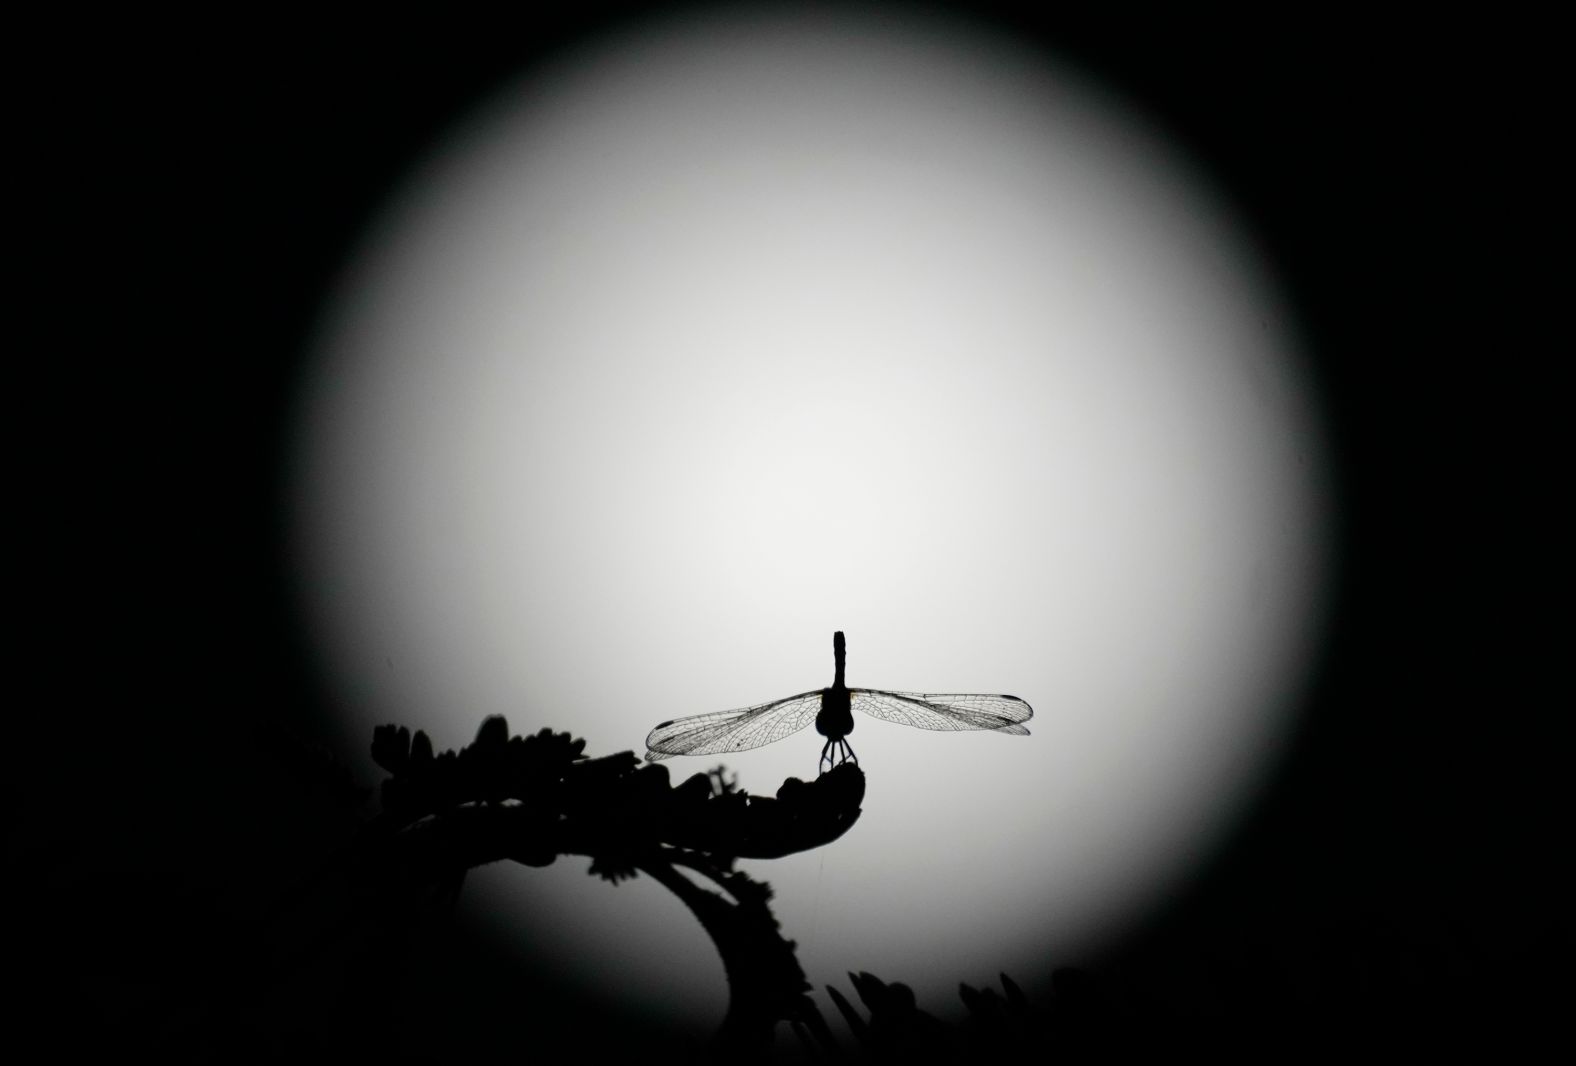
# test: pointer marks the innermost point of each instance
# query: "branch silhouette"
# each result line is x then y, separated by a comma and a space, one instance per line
532, 799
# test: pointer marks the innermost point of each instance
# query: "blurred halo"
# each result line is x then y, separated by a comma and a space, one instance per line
714, 337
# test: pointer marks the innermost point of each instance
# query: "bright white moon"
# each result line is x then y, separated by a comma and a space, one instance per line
718, 337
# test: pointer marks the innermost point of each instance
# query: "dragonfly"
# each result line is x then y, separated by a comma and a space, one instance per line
831, 709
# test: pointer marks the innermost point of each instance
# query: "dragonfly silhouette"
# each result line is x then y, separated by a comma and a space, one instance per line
831, 709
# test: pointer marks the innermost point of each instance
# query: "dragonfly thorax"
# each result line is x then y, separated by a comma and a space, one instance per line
836, 717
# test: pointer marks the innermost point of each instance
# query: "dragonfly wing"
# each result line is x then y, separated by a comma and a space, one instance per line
945, 711
747, 727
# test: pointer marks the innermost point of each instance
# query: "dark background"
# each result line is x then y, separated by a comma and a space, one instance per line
189, 189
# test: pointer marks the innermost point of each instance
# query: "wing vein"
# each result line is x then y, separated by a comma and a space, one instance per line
736, 730
945, 711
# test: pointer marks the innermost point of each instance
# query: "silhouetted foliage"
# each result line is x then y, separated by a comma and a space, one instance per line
1370, 987
534, 798
541, 797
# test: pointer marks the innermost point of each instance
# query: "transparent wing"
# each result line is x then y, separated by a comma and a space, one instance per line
747, 727
931, 710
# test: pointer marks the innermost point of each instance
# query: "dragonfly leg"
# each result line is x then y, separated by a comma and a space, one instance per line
836, 751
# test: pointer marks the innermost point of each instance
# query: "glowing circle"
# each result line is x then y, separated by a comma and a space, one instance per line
719, 336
